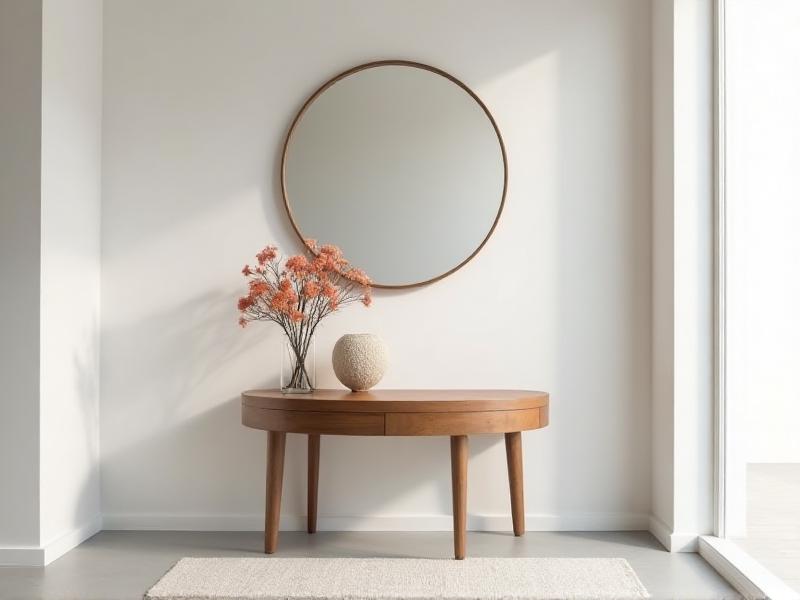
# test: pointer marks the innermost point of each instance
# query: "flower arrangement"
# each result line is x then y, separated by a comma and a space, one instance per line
298, 295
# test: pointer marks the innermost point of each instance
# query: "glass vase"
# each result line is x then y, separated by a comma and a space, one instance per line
298, 368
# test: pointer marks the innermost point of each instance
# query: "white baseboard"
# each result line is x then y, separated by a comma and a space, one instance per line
40, 556
742, 571
66, 542
22, 556
47, 553
672, 540
475, 522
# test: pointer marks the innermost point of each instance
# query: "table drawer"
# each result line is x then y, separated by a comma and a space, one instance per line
463, 423
300, 421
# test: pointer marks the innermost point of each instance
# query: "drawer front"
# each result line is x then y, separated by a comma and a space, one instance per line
463, 423
325, 423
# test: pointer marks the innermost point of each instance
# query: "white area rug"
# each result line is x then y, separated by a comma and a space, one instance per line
398, 578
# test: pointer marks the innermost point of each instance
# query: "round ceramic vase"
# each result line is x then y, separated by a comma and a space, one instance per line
360, 360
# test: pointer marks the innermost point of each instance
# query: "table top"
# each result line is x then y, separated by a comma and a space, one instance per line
397, 401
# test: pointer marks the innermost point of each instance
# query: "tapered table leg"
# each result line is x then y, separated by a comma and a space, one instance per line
276, 449
313, 480
459, 452
515, 481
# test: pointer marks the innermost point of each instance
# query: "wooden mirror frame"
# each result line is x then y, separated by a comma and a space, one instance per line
402, 63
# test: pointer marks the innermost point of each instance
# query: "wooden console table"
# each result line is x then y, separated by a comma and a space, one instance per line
455, 413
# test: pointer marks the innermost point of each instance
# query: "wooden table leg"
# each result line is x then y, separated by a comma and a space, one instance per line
276, 449
313, 480
515, 481
459, 452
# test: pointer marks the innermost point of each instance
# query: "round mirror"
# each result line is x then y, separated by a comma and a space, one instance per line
401, 166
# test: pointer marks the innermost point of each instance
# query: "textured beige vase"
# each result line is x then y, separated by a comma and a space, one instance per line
360, 360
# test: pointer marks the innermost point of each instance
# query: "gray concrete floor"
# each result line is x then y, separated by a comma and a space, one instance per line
122, 565
773, 519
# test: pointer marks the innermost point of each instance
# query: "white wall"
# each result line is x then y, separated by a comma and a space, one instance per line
20, 160
70, 268
763, 190
663, 346
197, 99
50, 117
683, 281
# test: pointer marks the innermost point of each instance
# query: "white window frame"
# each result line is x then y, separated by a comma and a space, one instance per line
720, 272
748, 576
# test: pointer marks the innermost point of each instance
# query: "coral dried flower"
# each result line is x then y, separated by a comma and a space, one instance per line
330, 250
311, 289
258, 288
267, 254
358, 276
302, 293
328, 290
297, 264
283, 301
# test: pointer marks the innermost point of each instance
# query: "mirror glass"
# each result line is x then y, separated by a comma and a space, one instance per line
399, 165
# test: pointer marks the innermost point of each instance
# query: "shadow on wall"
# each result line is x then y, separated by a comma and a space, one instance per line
195, 436
187, 426
568, 83
86, 507
187, 422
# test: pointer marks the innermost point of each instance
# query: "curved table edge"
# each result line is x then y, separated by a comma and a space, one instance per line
275, 400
